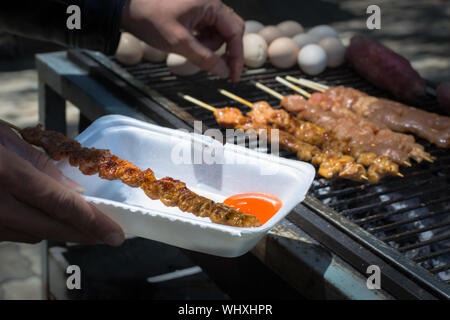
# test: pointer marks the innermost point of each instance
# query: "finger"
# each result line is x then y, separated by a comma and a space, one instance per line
7, 234
28, 220
38, 159
188, 46
57, 201
231, 28
209, 38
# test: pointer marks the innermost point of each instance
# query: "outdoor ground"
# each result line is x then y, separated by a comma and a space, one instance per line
417, 29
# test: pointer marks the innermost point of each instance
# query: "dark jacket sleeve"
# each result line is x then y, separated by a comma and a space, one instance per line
47, 20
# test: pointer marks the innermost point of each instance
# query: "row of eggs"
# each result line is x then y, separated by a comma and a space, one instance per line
287, 44
284, 45
132, 51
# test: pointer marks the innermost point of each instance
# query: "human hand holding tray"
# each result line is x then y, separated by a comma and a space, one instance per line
149, 146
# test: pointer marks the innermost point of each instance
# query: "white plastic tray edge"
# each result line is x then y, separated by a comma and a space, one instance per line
252, 235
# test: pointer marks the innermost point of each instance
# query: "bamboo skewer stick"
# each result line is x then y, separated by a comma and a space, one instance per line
12, 126
293, 87
308, 84
269, 91
197, 102
236, 98
320, 85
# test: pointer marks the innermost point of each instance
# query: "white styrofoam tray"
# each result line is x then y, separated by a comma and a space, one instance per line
149, 146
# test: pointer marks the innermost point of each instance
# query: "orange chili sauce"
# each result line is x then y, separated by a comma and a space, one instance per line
261, 205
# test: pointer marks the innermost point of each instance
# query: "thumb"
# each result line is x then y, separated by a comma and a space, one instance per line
188, 46
38, 159
44, 164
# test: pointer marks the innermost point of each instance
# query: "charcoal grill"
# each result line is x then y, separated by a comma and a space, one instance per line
403, 222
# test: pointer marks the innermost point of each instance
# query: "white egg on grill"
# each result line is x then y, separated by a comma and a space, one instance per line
290, 28
252, 26
312, 59
270, 33
129, 51
335, 51
255, 50
283, 52
323, 31
152, 54
181, 66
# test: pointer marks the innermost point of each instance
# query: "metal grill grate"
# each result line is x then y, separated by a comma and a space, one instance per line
411, 214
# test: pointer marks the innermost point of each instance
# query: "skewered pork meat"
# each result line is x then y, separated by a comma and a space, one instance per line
172, 193
330, 163
357, 131
394, 115
310, 133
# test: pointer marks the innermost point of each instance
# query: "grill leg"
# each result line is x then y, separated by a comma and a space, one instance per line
52, 109
52, 114
83, 123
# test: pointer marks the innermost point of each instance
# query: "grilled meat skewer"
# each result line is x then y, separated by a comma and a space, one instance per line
330, 163
172, 193
394, 115
379, 166
359, 132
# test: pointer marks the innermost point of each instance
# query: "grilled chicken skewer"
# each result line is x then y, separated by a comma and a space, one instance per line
387, 113
173, 193
263, 113
330, 164
360, 131
378, 166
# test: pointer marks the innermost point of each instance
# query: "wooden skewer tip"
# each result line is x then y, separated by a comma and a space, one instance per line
197, 102
9, 124
314, 85
310, 86
407, 163
269, 90
293, 87
236, 98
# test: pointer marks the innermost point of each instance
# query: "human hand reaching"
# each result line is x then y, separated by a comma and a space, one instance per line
191, 28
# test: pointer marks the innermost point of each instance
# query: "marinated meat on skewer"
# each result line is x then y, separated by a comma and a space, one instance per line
331, 163
404, 142
172, 193
230, 117
308, 132
394, 115
383, 135
358, 131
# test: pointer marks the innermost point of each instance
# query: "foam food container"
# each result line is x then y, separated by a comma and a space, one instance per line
240, 170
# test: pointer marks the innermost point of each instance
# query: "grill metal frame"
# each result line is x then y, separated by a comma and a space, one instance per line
104, 68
